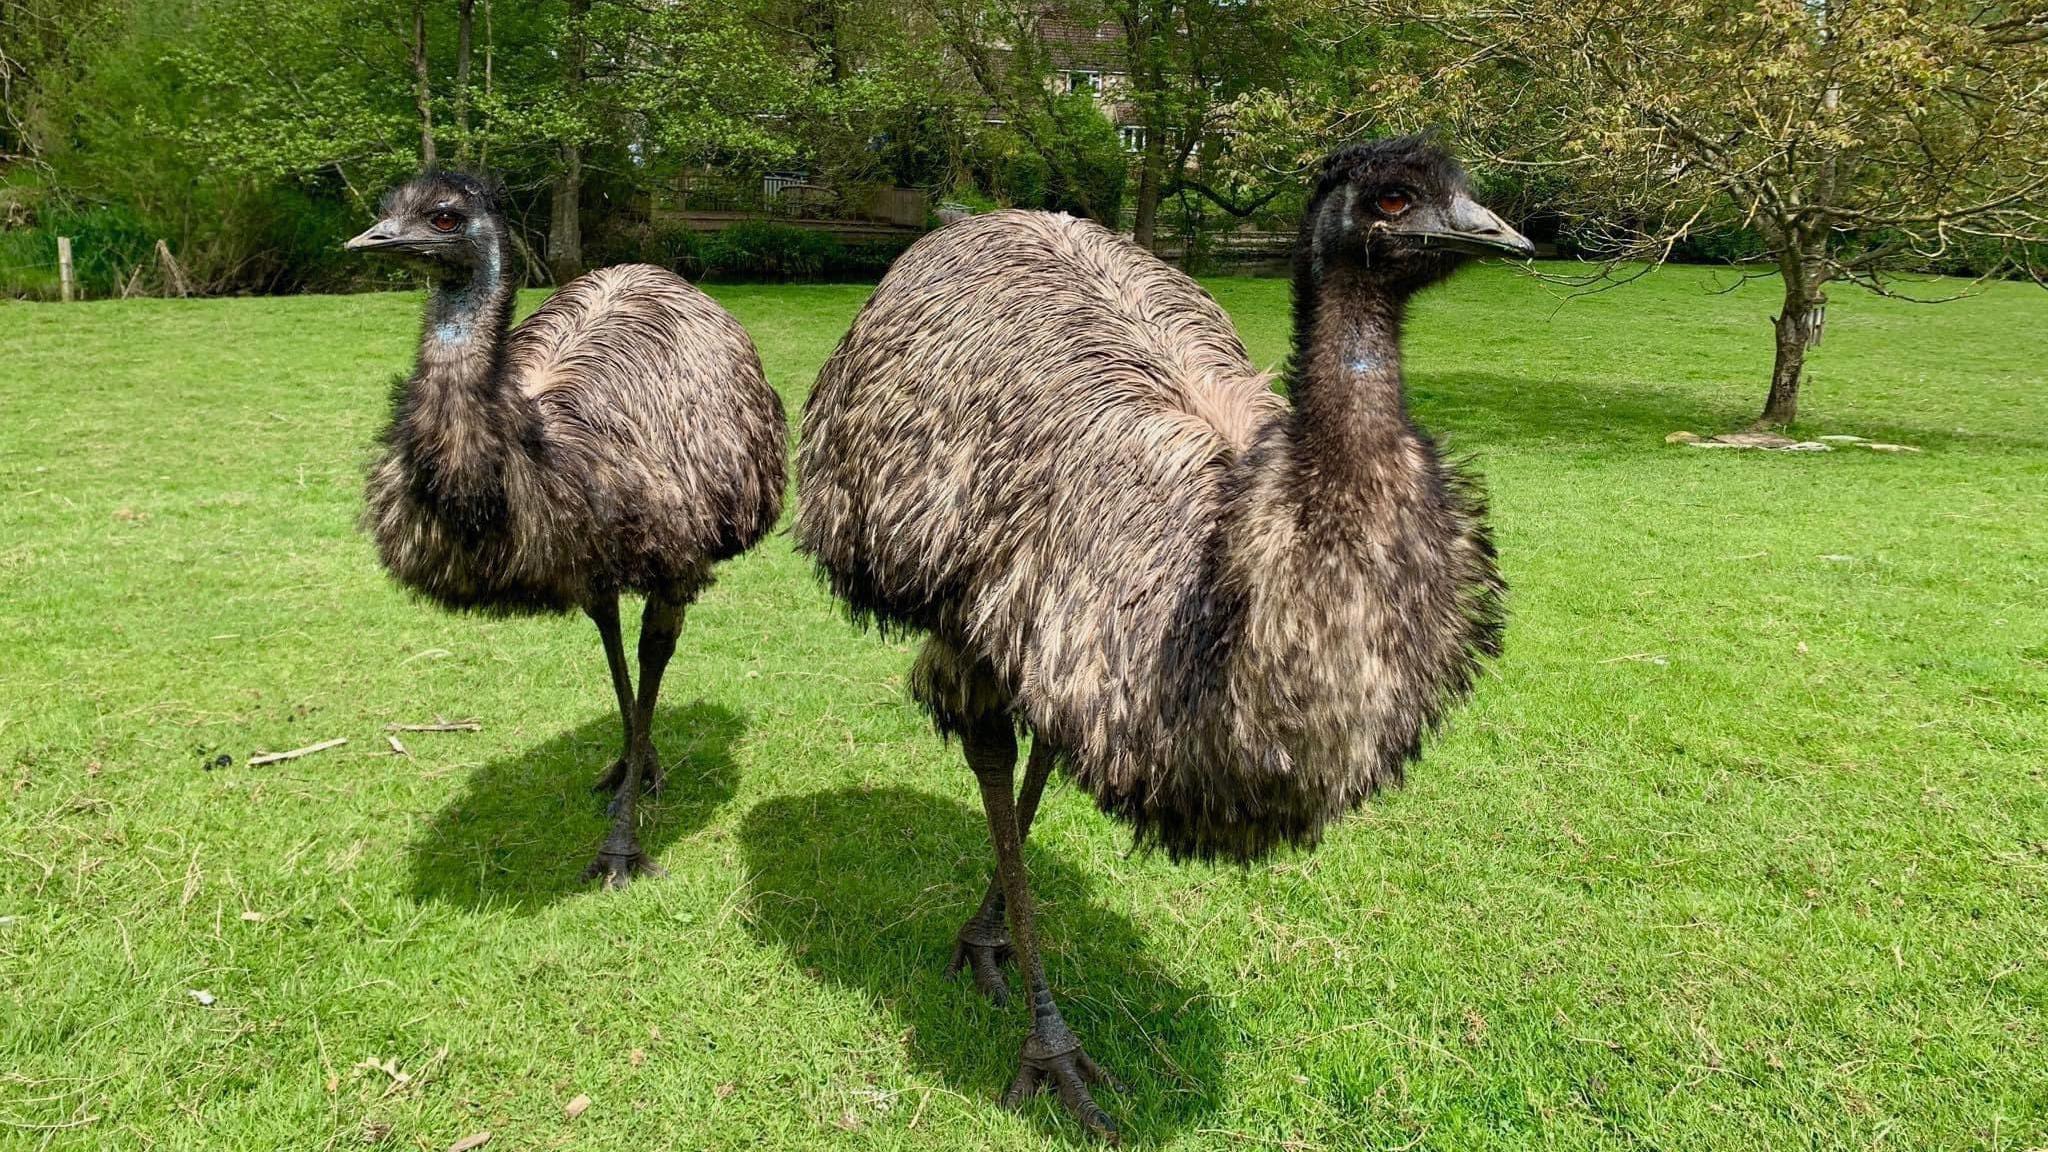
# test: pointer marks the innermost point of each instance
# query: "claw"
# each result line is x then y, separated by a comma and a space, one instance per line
1069, 1073
652, 778
985, 955
618, 868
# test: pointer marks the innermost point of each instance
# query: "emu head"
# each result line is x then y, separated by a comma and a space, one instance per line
448, 223
1399, 211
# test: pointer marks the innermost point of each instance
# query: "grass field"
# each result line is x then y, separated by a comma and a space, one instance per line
1743, 845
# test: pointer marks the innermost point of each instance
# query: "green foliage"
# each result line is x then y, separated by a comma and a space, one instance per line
1088, 181
1097, 168
1013, 175
867, 259
974, 199
773, 251
766, 250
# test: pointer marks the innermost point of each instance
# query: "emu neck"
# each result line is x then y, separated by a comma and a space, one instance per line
460, 416
1352, 435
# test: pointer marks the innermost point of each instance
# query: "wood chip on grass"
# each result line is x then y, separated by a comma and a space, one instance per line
262, 758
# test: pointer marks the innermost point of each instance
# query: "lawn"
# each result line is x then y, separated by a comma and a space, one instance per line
1743, 845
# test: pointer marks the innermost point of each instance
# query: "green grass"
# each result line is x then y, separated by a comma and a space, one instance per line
1743, 845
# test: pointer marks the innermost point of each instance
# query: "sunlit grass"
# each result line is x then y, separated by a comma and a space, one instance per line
1743, 845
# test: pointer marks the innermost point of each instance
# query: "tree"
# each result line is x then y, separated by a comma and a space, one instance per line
465, 34
565, 226
1004, 52
1857, 139
423, 89
1181, 63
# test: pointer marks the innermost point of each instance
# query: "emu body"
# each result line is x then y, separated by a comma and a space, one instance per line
621, 439
1228, 617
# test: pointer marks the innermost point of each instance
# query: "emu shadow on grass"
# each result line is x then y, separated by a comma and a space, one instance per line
866, 890
516, 835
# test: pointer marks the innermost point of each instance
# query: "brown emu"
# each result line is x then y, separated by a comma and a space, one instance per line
1229, 618
622, 439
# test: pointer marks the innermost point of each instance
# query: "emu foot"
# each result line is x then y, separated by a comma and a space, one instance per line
618, 868
652, 778
1057, 1061
983, 950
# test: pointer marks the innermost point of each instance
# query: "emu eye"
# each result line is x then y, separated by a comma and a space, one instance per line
1393, 203
445, 221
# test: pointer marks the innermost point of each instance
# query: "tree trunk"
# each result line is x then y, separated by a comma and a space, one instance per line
422, 90
483, 144
565, 227
465, 20
1142, 20
1146, 223
1800, 325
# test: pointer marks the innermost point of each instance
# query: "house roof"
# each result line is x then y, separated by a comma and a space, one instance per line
1075, 44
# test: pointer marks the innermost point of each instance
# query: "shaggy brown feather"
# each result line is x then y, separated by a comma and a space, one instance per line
623, 438
1234, 619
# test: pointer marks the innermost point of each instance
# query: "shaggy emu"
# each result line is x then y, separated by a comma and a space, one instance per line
1229, 618
621, 439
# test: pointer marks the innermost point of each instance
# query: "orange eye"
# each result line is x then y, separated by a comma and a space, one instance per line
1393, 203
444, 221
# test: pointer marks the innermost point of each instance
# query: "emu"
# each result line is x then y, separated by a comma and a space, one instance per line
622, 439
1229, 618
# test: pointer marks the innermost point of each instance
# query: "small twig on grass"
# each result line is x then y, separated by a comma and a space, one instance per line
28, 1126
1653, 657
438, 725
294, 754
397, 749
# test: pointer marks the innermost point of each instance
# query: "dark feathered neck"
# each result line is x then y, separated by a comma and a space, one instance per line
459, 418
462, 340
1350, 411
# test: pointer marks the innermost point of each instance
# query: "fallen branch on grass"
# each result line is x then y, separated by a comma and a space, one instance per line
273, 757
438, 726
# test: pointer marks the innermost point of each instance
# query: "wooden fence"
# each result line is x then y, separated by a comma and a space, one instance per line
706, 201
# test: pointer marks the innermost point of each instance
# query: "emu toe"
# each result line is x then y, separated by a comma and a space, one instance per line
652, 778
1068, 1072
983, 952
617, 869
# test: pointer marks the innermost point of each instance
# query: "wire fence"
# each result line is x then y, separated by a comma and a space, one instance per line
158, 273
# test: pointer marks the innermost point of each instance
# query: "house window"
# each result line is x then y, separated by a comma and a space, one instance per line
1133, 136
1089, 82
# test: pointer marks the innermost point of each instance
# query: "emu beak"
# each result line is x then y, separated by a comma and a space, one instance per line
1463, 225
1472, 227
382, 234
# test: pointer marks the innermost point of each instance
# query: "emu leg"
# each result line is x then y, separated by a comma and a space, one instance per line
604, 611
1052, 1055
983, 945
620, 859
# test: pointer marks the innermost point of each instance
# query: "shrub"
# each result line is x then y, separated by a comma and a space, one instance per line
868, 259
766, 250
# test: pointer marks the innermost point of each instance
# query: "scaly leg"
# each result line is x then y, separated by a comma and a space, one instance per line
620, 859
604, 611
1052, 1054
983, 945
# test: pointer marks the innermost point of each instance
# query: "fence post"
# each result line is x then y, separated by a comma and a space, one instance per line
64, 267
174, 276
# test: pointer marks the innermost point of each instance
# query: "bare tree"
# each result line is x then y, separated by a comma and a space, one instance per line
1859, 140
